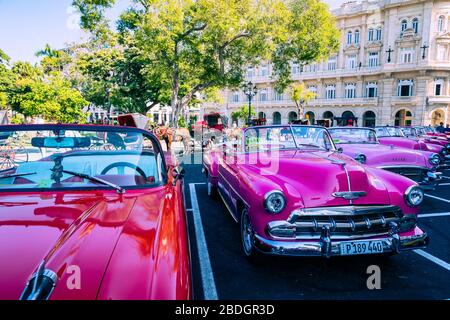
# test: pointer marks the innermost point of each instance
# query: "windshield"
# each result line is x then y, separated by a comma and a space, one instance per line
389, 132
351, 135
288, 137
56, 158
409, 132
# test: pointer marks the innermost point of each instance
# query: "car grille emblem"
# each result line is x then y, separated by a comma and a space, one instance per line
350, 195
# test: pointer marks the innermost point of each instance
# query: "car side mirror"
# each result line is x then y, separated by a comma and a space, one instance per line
340, 150
178, 173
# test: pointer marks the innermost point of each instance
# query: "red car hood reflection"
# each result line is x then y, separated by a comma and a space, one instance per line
71, 229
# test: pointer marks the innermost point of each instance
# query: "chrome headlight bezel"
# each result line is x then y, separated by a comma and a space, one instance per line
269, 202
361, 158
414, 196
435, 159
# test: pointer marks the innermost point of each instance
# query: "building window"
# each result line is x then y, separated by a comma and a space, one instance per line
262, 115
369, 119
295, 68
404, 25
370, 34
351, 62
332, 63
438, 86
264, 70
407, 55
405, 88
313, 89
330, 92
371, 90
357, 36
292, 116
441, 21
378, 34
373, 59
349, 37
416, 25
276, 118
250, 72
235, 97
263, 96
278, 95
350, 91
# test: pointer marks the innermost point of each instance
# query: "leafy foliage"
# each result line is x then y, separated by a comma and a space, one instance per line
301, 96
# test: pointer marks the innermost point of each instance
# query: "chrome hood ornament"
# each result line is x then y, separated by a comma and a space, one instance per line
350, 195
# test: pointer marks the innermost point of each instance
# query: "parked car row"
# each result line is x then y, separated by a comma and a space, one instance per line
308, 191
95, 205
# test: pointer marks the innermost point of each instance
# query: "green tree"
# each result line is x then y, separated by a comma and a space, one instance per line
188, 46
301, 96
6, 79
242, 113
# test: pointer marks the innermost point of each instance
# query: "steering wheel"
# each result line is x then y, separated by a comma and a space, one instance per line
124, 165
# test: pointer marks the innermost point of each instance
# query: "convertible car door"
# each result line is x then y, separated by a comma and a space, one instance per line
228, 179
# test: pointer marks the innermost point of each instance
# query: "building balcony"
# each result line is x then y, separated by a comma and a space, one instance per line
412, 100
316, 102
439, 100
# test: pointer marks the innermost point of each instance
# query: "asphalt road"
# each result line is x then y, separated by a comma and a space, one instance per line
220, 271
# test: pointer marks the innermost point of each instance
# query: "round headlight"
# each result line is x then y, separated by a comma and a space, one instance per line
414, 196
274, 202
435, 159
361, 158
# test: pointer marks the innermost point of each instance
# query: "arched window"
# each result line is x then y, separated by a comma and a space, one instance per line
348, 118
369, 119
262, 115
415, 24
349, 37
404, 25
276, 118
403, 118
350, 91
311, 117
357, 36
441, 21
330, 92
328, 115
292, 116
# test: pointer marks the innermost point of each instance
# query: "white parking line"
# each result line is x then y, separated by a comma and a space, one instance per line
431, 215
209, 285
437, 198
432, 258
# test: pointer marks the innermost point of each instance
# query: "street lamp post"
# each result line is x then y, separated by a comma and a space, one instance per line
250, 90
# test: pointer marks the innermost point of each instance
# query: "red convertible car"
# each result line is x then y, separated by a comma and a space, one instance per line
94, 213
293, 193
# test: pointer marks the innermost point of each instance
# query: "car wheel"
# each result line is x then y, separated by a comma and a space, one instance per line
213, 193
247, 235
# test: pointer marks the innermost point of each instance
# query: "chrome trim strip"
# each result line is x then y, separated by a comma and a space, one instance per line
226, 205
349, 182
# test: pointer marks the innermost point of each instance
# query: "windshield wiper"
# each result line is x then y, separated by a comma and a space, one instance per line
16, 175
98, 180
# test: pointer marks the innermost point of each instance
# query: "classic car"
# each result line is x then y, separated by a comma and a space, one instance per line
94, 213
362, 145
431, 132
395, 136
293, 193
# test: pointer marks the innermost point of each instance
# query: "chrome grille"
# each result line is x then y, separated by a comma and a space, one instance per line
344, 222
415, 174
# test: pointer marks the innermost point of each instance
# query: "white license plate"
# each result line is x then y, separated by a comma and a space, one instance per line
361, 247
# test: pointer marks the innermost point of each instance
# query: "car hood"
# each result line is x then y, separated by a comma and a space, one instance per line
379, 155
313, 177
70, 232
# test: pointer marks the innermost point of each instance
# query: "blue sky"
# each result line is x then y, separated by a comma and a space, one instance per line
27, 25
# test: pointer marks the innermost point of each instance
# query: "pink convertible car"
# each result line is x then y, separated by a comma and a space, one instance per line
294, 194
395, 136
362, 144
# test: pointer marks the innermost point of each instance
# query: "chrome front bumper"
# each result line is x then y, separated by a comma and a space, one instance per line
327, 248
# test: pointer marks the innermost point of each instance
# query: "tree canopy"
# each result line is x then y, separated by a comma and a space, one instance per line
178, 48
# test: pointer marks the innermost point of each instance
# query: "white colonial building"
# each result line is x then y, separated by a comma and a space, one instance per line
392, 68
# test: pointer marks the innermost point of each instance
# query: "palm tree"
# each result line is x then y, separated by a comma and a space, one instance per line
48, 52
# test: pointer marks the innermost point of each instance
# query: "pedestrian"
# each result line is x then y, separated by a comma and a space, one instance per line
441, 128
